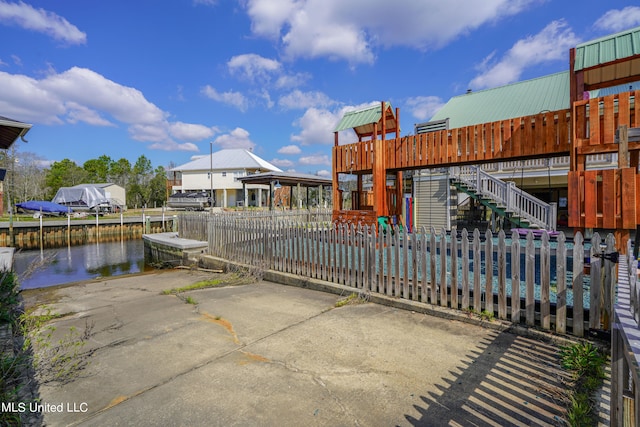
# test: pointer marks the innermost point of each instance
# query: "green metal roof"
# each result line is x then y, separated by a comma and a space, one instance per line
607, 49
530, 97
362, 117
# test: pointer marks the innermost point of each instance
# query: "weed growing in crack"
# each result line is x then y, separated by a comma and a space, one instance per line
353, 299
586, 364
55, 359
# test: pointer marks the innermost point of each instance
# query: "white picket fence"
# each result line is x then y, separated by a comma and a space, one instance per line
508, 278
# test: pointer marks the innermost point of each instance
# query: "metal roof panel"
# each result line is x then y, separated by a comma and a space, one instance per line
530, 97
607, 49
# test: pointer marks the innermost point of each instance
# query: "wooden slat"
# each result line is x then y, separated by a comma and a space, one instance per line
577, 285
433, 250
488, 271
594, 122
454, 272
415, 263
595, 285
530, 266
608, 120
545, 282
561, 280
624, 113
629, 198
507, 142
480, 141
495, 140
405, 261
516, 137
423, 266
574, 191
502, 276
590, 199
463, 144
515, 277
477, 267
609, 197
528, 144
465, 269
444, 297
455, 138
637, 200
636, 111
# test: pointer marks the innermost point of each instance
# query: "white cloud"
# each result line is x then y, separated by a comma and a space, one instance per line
550, 44
317, 159
80, 95
173, 146
24, 99
290, 149
619, 19
300, 100
352, 30
253, 67
237, 138
42, 21
282, 163
292, 80
323, 172
94, 90
317, 127
235, 99
81, 113
191, 132
424, 107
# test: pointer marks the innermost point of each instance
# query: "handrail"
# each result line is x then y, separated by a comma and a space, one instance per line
506, 194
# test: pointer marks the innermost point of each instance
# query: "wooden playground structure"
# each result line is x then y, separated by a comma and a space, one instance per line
600, 199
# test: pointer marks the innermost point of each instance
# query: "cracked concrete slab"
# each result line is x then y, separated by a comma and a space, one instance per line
268, 354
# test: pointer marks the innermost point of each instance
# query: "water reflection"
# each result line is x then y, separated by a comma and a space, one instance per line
74, 263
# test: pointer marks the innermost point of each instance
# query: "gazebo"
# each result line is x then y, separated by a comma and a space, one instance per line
277, 180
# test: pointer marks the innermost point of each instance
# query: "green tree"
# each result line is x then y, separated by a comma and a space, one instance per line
98, 169
65, 173
139, 191
158, 186
120, 172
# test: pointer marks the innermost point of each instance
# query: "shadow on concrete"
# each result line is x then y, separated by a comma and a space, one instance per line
509, 381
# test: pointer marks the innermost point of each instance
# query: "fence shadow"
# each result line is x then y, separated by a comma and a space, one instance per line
509, 380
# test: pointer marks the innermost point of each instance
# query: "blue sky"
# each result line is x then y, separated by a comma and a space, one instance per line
165, 79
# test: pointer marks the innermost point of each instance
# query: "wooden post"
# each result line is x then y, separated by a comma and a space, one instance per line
624, 161
623, 147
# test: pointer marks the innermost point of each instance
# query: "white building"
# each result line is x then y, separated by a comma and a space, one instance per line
224, 166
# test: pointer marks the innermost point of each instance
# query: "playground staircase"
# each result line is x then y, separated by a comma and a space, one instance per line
504, 198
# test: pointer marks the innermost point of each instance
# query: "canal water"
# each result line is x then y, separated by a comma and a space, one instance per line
51, 267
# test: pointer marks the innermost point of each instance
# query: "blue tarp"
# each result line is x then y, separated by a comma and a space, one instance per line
44, 206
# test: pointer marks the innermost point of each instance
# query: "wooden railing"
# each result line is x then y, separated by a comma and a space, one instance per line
466, 272
604, 198
611, 111
545, 134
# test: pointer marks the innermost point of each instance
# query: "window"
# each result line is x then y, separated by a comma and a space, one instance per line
224, 174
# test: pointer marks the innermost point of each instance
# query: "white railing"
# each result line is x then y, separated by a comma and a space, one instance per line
508, 196
553, 163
